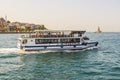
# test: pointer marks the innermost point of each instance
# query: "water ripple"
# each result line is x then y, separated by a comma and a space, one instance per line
96, 64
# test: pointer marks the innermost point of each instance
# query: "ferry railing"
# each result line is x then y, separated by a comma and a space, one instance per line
44, 36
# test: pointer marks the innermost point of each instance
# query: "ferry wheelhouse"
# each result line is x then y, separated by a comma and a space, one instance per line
55, 40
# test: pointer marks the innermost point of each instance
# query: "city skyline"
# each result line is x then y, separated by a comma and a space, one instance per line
65, 14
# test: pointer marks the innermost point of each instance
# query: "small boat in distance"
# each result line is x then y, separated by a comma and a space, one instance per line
98, 30
55, 40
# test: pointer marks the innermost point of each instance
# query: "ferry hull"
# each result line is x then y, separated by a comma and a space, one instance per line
55, 40
58, 47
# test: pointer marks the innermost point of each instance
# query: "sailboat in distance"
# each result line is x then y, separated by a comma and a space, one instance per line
98, 30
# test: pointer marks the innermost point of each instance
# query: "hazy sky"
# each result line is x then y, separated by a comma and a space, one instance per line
65, 14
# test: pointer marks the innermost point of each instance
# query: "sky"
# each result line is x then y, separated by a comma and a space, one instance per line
65, 14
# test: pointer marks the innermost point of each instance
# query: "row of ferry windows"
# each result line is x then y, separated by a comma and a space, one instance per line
41, 41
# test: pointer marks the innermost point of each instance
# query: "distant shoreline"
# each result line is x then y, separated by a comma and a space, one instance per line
15, 32
33, 32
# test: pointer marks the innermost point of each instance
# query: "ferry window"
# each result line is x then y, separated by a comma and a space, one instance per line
81, 40
36, 41
74, 40
53, 40
24, 41
31, 40
56, 40
41, 41
44, 41
71, 40
49, 41
85, 38
63, 40
77, 40
66, 40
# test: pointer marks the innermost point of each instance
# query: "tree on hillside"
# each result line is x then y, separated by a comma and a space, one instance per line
28, 29
41, 27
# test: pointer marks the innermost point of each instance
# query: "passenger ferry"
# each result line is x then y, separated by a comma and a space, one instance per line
55, 40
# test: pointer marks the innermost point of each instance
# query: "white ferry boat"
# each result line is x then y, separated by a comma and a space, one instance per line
55, 40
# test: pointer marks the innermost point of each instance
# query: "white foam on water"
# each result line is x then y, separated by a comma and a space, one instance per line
18, 51
8, 50
34, 52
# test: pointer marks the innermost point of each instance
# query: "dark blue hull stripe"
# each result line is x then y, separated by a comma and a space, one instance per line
58, 45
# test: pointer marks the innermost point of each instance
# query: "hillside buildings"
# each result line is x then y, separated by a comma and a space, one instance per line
7, 26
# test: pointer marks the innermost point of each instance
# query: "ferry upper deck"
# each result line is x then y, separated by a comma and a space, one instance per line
53, 33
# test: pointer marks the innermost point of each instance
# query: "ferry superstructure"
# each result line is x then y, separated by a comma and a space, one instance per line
55, 40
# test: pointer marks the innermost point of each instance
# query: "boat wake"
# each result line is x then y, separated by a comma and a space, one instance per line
18, 51
8, 50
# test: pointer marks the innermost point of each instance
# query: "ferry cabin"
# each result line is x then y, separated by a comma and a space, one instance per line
54, 40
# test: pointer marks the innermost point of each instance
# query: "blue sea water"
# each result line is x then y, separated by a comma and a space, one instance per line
96, 64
